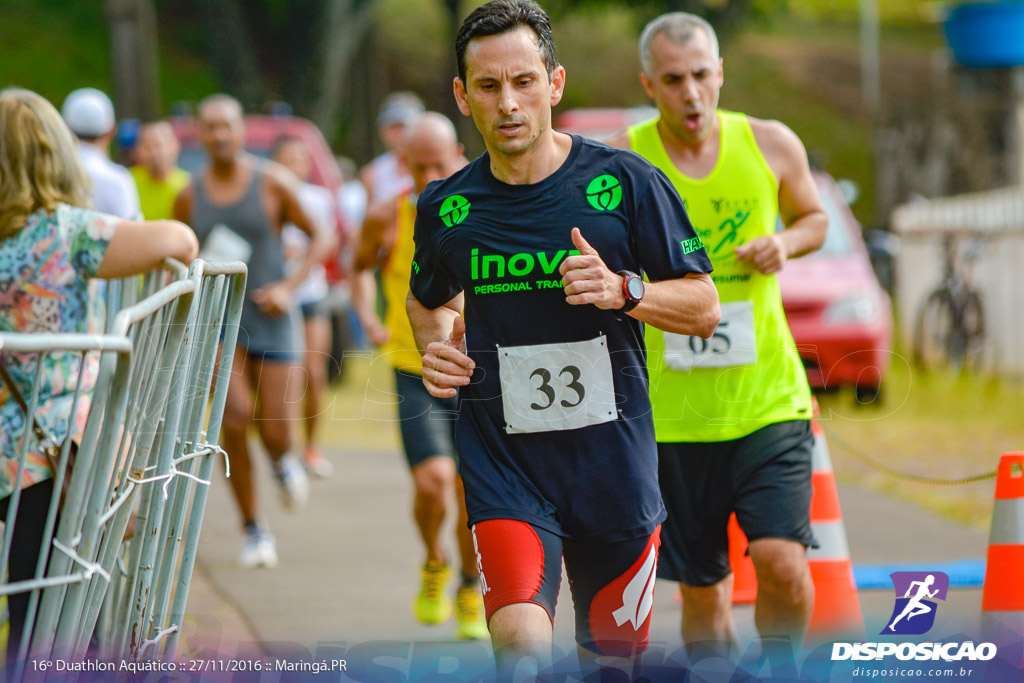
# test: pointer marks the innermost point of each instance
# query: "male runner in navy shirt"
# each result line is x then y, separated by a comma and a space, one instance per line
543, 243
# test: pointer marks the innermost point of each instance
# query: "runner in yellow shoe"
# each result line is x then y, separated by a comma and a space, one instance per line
431, 151
731, 412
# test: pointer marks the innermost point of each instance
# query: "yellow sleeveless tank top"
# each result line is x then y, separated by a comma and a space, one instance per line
749, 374
401, 348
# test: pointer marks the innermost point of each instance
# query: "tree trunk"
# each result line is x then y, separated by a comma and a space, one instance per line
232, 51
347, 23
133, 49
464, 125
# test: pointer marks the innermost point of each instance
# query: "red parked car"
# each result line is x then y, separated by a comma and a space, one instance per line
840, 316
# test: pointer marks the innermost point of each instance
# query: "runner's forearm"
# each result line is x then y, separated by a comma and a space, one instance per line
319, 249
364, 297
688, 305
805, 234
432, 324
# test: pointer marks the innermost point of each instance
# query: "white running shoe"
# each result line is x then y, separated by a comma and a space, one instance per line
292, 482
316, 464
258, 549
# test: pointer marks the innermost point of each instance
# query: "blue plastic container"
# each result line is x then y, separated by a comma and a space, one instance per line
987, 34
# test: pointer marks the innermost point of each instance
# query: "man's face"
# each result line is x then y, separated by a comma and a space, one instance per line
157, 148
392, 135
295, 157
222, 131
430, 158
507, 90
684, 82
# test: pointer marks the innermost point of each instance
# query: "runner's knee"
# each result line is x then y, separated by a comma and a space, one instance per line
706, 604
434, 477
781, 566
237, 416
276, 435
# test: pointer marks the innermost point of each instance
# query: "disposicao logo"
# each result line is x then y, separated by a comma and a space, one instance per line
604, 193
916, 593
454, 210
914, 614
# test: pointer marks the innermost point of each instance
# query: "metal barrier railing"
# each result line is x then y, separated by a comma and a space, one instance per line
147, 452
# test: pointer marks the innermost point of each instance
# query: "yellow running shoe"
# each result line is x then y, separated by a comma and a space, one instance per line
432, 605
469, 614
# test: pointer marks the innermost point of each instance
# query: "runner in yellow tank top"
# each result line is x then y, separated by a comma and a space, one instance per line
731, 413
431, 152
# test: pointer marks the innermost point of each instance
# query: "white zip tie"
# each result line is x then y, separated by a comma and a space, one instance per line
90, 567
205, 449
118, 502
155, 640
166, 478
215, 449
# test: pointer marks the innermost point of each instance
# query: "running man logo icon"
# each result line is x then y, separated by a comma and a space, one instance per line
604, 193
454, 210
915, 608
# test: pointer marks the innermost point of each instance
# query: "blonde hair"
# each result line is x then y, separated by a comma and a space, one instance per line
39, 163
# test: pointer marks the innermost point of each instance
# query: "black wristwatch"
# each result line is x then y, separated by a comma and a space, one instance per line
633, 288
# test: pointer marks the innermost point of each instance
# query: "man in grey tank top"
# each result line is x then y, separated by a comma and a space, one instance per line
237, 206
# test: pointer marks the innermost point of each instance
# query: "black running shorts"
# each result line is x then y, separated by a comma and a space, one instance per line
764, 477
427, 422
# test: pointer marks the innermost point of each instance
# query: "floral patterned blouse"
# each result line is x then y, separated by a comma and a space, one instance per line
44, 287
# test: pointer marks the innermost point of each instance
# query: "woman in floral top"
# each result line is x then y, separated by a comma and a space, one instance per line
50, 247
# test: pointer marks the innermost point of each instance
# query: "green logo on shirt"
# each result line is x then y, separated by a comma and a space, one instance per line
604, 193
692, 244
454, 210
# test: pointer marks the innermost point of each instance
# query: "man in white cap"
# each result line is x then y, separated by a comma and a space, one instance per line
90, 116
386, 177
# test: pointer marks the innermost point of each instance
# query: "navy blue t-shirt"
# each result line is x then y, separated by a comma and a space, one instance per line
502, 244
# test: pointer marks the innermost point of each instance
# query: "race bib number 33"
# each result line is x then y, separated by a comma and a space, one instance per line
551, 387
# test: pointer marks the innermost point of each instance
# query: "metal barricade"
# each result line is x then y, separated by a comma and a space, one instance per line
145, 459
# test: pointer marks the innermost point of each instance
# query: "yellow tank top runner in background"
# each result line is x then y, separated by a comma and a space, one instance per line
749, 374
397, 270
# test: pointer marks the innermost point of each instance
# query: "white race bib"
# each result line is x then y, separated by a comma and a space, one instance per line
733, 343
551, 387
224, 244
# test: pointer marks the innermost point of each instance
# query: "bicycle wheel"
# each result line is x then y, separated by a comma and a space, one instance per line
933, 331
974, 329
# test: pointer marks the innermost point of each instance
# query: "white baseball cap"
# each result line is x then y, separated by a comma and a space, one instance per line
88, 112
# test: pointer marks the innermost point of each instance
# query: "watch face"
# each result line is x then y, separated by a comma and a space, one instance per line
635, 287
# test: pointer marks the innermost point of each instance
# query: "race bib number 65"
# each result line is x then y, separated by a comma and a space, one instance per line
733, 343
550, 387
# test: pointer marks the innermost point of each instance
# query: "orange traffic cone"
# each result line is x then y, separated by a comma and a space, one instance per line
1002, 597
836, 612
744, 580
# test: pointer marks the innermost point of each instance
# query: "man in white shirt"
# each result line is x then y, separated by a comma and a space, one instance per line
318, 203
90, 116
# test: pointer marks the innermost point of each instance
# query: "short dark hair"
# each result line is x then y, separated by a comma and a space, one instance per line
500, 16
